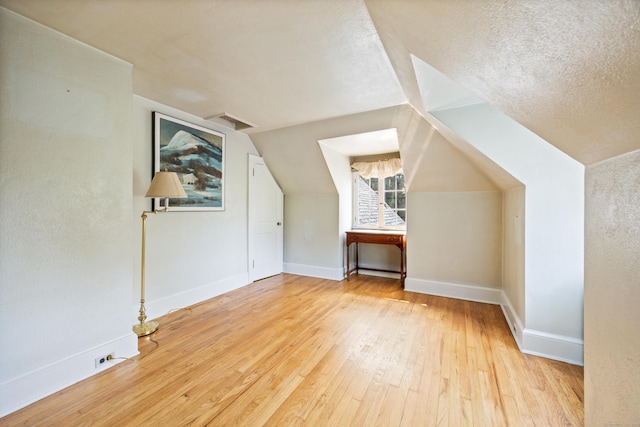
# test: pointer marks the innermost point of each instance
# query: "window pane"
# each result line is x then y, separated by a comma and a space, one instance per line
395, 201
391, 217
370, 213
390, 199
390, 183
401, 200
367, 202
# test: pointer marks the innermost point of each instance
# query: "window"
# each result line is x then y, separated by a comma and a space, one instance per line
379, 202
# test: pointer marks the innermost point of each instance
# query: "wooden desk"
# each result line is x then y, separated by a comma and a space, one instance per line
395, 238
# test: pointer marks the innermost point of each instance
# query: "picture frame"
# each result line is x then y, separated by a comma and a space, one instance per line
197, 155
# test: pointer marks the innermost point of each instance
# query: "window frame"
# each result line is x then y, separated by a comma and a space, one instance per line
356, 225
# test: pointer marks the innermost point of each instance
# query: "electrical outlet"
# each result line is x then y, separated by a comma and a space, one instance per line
100, 361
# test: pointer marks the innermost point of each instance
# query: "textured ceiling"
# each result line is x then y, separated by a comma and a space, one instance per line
568, 70
272, 63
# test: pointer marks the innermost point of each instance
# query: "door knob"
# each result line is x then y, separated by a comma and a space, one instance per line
279, 223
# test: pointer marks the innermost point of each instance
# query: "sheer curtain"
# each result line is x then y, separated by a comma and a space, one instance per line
379, 169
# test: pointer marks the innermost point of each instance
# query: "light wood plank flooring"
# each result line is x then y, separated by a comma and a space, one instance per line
291, 350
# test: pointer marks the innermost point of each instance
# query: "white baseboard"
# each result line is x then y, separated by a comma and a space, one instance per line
529, 341
378, 273
515, 324
314, 271
544, 344
28, 388
454, 290
162, 306
553, 346
35, 385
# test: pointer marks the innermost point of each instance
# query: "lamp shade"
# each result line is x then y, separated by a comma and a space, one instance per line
166, 184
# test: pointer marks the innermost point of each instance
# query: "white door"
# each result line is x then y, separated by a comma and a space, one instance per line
265, 222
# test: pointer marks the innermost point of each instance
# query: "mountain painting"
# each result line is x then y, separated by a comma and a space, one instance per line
196, 154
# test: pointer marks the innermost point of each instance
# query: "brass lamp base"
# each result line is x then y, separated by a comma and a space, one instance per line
143, 329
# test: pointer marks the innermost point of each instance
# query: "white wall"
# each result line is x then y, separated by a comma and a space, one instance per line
612, 292
190, 256
545, 275
554, 212
65, 210
513, 220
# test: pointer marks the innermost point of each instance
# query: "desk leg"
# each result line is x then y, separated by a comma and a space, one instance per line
356, 267
348, 263
402, 265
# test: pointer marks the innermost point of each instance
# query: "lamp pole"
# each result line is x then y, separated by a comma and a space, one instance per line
163, 185
144, 328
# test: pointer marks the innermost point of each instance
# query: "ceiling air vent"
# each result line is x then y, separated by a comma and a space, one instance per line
236, 123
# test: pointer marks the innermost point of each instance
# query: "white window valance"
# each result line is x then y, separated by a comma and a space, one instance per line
379, 169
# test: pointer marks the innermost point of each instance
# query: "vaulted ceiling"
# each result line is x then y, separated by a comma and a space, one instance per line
567, 70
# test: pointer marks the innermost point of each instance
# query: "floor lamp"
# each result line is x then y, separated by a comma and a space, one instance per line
164, 185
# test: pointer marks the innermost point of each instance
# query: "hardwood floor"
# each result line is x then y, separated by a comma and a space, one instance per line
293, 350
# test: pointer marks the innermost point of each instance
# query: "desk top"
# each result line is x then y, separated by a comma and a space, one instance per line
377, 236
368, 231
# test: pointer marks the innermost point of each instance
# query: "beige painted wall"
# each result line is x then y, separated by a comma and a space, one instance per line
293, 155
554, 229
217, 241
455, 237
513, 219
65, 207
314, 236
311, 235
75, 161
612, 292
442, 167
340, 169
295, 158
377, 256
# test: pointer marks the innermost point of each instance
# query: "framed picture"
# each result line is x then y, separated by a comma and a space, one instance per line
197, 155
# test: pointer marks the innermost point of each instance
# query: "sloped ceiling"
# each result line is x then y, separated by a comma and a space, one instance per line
273, 63
567, 70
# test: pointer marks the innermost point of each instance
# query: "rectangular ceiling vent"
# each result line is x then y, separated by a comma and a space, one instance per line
236, 123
